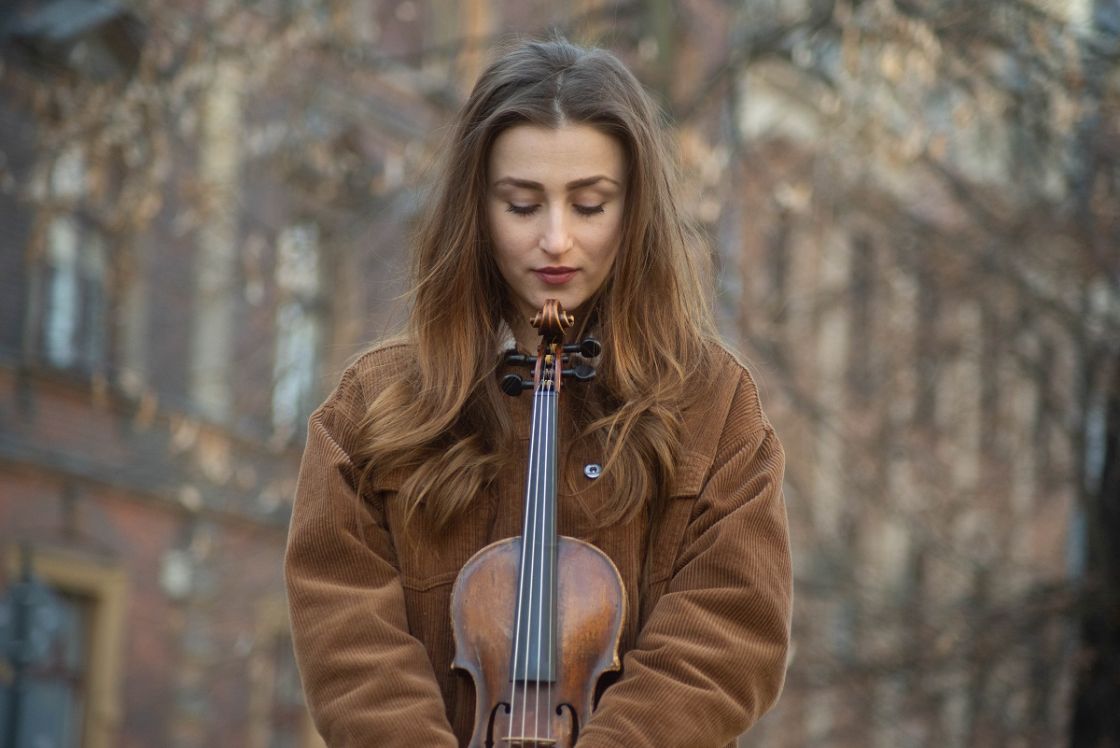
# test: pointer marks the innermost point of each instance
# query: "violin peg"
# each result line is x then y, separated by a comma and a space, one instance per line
581, 373
513, 358
588, 348
513, 385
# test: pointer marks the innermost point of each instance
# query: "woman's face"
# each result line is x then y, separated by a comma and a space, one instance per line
554, 206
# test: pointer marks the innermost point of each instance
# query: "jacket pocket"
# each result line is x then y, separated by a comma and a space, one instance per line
667, 537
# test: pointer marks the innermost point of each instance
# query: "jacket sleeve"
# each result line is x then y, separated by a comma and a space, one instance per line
711, 657
366, 679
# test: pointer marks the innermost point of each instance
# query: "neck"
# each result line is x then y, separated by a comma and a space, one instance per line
526, 335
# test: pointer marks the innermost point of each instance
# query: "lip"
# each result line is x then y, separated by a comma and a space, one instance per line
555, 276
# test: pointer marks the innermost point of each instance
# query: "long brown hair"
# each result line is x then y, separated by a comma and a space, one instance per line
443, 424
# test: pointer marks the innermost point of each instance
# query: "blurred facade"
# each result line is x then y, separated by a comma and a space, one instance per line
204, 212
925, 267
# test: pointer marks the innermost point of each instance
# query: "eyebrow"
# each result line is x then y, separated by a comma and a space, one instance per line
575, 184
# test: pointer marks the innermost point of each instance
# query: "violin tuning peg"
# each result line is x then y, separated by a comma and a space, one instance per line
513, 385
588, 348
581, 373
513, 358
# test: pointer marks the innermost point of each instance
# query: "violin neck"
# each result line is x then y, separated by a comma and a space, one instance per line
534, 641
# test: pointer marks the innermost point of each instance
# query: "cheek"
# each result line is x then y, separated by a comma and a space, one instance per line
611, 250
608, 241
507, 234
500, 239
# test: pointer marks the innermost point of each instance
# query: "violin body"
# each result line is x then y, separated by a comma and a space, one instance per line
589, 623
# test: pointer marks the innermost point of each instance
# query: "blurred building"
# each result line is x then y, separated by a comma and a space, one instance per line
174, 300
914, 269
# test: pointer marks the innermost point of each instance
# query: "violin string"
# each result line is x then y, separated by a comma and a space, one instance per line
549, 589
542, 496
535, 571
540, 533
521, 582
533, 622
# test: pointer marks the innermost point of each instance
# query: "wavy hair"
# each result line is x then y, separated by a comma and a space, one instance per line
442, 425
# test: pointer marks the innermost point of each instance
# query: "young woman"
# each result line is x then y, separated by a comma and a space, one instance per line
557, 185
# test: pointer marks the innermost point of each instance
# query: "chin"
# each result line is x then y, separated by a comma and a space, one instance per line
571, 306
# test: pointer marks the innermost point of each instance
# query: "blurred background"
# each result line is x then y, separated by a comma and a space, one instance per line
914, 206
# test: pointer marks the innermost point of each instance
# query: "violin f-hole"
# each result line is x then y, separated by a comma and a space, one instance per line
490, 726
573, 716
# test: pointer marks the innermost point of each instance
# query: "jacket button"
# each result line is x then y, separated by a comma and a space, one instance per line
592, 470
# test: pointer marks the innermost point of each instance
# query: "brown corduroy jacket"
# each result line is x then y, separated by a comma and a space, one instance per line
704, 647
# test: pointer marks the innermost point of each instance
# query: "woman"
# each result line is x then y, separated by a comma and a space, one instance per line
557, 184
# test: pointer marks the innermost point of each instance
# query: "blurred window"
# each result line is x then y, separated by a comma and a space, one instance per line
68, 283
53, 701
70, 687
298, 328
73, 294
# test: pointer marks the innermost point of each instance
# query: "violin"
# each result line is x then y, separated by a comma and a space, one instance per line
537, 618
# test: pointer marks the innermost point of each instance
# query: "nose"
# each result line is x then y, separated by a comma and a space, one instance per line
557, 237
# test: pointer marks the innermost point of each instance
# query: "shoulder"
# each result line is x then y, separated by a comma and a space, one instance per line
725, 390
381, 365
746, 402
368, 375
724, 413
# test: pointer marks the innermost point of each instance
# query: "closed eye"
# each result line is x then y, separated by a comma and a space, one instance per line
528, 210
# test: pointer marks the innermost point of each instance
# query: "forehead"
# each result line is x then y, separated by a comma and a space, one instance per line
555, 155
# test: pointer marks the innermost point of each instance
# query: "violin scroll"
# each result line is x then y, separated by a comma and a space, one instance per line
551, 322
